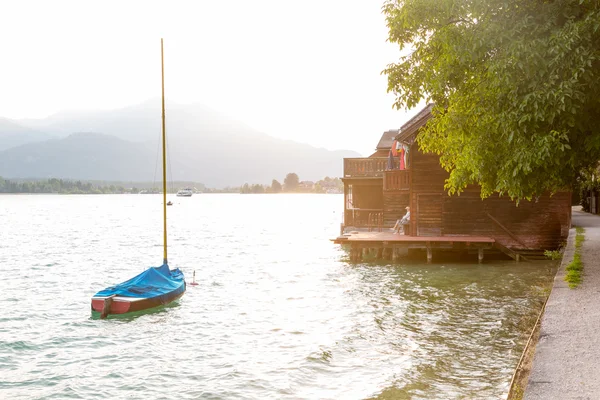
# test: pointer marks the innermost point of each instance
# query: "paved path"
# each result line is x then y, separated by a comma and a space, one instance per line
566, 364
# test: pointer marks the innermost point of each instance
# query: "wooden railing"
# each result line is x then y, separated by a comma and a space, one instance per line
366, 167
364, 218
396, 180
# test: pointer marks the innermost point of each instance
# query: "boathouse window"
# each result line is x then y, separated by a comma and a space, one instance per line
349, 203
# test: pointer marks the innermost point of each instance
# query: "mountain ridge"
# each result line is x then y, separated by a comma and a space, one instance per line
13, 134
204, 146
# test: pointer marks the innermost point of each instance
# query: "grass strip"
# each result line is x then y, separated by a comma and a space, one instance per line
573, 276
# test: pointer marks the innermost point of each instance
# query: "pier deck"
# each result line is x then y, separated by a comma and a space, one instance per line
388, 244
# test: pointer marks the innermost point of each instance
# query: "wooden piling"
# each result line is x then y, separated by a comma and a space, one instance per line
395, 254
385, 245
386, 253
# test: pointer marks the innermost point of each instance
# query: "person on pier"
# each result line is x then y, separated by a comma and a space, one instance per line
402, 222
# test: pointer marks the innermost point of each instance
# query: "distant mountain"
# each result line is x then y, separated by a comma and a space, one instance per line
79, 156
204, 146
141, 122
13, 134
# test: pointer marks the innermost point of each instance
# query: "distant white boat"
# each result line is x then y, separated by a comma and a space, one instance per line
187, 192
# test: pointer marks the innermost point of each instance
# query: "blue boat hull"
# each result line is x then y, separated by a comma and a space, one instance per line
157, 286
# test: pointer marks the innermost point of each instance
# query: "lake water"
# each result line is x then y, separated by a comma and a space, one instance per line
279, 312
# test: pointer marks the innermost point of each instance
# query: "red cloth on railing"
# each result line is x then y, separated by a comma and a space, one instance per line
402, 158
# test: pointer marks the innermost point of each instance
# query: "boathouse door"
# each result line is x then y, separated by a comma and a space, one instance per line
429, 214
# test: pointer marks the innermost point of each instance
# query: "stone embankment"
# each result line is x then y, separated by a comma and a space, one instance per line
566, 364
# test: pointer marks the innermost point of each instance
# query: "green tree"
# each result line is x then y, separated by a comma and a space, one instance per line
276, 186
516, 88
339, 184
291, 181
256, 188
26, 187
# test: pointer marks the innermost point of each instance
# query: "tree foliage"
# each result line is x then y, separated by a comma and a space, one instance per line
59, 186
516, 88
292, 184
587, 185
276, 186
255, 188
291, 181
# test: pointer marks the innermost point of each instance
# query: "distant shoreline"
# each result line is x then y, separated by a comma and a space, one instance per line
68, 186
144, 194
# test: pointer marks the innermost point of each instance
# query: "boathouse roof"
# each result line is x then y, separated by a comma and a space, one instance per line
409, 130
385, 143
406, 133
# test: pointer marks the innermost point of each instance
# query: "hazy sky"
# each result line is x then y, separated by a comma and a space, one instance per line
302, 70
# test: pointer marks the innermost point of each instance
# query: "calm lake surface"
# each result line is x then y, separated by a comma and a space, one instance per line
279, 312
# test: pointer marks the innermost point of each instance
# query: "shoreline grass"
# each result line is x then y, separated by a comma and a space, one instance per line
575, 267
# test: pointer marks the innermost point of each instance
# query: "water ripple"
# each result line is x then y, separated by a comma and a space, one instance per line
279, 313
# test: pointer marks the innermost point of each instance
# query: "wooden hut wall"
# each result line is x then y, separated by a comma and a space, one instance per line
368, 196
394, 206
427, 193
539, 225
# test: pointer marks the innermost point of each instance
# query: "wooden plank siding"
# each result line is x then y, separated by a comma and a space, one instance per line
394, 206
427, 178
531, 225
429, 214
540, 225
396, 195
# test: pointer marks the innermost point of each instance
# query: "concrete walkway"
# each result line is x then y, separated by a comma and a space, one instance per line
566, 364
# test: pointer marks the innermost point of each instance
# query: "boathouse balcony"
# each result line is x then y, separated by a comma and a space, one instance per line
372, 167
376, 167
395, 180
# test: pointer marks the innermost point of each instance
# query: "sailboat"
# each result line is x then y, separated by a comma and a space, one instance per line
156, 286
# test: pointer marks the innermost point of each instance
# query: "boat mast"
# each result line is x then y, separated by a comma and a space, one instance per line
164, 152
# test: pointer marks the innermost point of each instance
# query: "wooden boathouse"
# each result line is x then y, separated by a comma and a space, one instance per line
378, 188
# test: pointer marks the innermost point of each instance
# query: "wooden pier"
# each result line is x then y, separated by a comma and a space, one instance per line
389, 245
